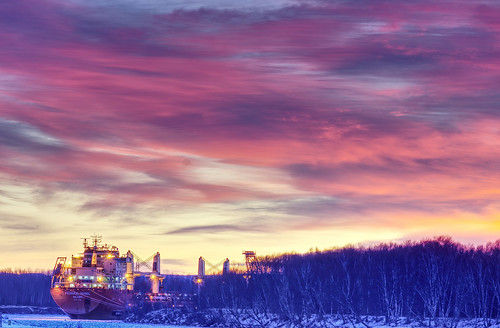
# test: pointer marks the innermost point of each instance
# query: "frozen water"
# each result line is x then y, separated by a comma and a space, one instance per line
62, 321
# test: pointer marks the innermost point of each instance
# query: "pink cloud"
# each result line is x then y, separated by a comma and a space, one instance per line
380, 106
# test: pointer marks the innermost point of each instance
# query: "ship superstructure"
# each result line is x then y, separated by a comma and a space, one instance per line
98, 283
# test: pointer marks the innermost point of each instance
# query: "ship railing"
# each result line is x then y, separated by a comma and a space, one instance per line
59, 267
58, 283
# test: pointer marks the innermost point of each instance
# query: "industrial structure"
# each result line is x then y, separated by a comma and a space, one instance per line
212, 268
250, 257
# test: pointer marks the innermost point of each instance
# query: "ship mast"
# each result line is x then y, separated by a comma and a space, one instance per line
96, 239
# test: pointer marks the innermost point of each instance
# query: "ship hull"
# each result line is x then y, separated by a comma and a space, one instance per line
93, 303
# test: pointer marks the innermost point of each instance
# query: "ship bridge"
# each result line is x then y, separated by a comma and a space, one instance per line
102, 266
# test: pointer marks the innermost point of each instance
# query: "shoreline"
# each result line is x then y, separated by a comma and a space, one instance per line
28, 309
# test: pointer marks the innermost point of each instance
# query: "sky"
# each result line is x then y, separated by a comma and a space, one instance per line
206, 128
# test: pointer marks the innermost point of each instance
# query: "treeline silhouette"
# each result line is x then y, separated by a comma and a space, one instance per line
25, 288
424, 281
427, 280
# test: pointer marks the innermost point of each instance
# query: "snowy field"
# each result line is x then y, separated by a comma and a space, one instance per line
54, 321
62, 321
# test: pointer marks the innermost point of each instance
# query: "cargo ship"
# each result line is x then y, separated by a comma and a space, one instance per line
99, 283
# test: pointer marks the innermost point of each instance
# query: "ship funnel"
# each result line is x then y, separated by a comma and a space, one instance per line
201, 267
94, 259
156, 263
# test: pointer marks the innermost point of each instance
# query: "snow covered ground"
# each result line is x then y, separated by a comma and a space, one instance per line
62, 321
227, 318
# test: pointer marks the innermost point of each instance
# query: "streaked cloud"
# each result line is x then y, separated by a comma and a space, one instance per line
216, 228
19, 223
26, 137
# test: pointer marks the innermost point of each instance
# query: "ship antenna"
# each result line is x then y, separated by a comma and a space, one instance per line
96, 239
85, 243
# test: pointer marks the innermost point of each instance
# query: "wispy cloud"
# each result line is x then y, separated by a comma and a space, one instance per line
216, 228
26, 137
20, 224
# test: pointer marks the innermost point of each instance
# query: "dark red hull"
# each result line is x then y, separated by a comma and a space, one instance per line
93, 303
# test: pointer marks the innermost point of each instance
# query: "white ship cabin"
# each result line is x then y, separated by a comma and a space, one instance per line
98, 267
